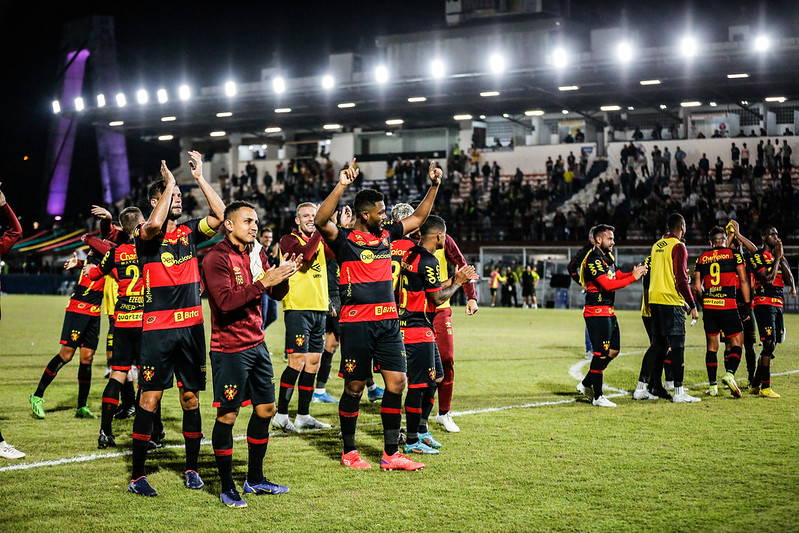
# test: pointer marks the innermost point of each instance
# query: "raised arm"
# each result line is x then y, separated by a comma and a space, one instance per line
743, 277
421, 213
749, 245
214, 201
324, 214
160, 212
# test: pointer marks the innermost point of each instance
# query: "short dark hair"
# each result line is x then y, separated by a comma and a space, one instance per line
432, 225
366, 198
264, 230
235, 206
156, 189
675, 222
715, 230
766, 229
602, 228
129, 218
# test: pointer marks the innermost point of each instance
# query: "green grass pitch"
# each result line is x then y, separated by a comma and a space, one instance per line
543, 461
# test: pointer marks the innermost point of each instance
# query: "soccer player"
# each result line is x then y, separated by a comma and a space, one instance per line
573, 268
771, 270
530, 279
745, 312
369, 323
601, 280
305, 311
173, 338
419, 292
718, 275
669, 292
12, 233
655, 388
242, 369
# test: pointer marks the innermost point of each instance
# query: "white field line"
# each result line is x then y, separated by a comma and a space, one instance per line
575, 371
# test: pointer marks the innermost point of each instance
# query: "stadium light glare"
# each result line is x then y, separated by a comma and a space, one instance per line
488, 94
100, 100
217, 134
688, 47
564, 111
162, 96
389, 133
381, 74
115, 123
417, 99
482, 117
568, 87
610, 108
56, 107
184, 92
121, 100
346, 105
230, 88
534, 113
395, 122
462, 117
328, 82
762, 43
168, 119
497, 63
79, 104
165, 137
778, 99
624, 52
692, 103
738, 76
142, 97
279, 85
630, 108
437, 69
283, 110
272, 130
649, 82
663, 106
560, 58
224, 114
713, 104
332, 127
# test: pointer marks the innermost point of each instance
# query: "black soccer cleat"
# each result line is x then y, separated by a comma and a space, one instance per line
104, 441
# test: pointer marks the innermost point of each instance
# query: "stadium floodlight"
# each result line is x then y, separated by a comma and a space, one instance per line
184, 92
778, 99
649, 82
168, 119
142, 97
663, 106
279, 85
162, 96
263, 147
272, 130
560, 58
688, 47
395, 122
744, 102
497, 63
488, 94
630, 108
79, 104
417, 99
346, 105
56, 107
610, 108
692, 103
462, 117
217, 134
564, 111
115, 123
389, 133
121, 100
505, 115
437, 69
381, 74
332, 127
283, 110
713, 104
568, 87
100, 100
534, 113
762, 43
482, 117
230, 88
165, 137
224, 114
328, 82
624, 52
738, 76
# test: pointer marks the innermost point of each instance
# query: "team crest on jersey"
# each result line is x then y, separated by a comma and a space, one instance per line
606, 345
349, 365
432, 373
75, 335
230, 392
299, 340
385, 241
769, 331
147, 372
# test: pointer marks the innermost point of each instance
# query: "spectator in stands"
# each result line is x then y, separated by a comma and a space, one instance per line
549, 165
786, 155
638, 135
666, 162
744, 156
716, 135
735, 152
752, 133
704, 165
568, 139
657, 162
495, 170
719, 169
579, 136
787, 132
486, 175
760, 152
700, 135
736, 176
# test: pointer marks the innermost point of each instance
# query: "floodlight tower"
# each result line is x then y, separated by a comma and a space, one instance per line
88, 44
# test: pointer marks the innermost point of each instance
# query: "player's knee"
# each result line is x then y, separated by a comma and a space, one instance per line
677, 342
768, 347
227, 416
189, 400
265, 410
354, 388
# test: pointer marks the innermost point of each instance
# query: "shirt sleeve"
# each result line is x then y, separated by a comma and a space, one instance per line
13, 229
95, 243
679, 256
276, 292
106, 266
453, 254
219, 286
395, 230
429, 271
202, 230
290, 244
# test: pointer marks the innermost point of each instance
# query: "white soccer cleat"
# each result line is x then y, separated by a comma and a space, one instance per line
284, 423
588, 392
589, 355
448, 423
685, 398
643, 394
602, 401
9, 452
669, 386
309, 422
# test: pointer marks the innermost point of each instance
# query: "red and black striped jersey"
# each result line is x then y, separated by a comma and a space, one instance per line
365, 283
399, 251
599, 277
419, 276
718, 271
88, 295
122, 262
172, 275
766, 293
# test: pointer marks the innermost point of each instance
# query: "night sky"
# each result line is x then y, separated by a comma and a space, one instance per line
211, 41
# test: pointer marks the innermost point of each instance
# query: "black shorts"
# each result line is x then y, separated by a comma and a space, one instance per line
724, 321
439, 365
604, 333
422, 364
127, 350
744, 311
769, 322
371, 345
243, 377
168, 353
80, 331
331, 326
493, 291
109, 338
528, 291
667, 320
647, 320
305, 331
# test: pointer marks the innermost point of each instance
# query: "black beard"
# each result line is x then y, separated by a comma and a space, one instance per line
174, 216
